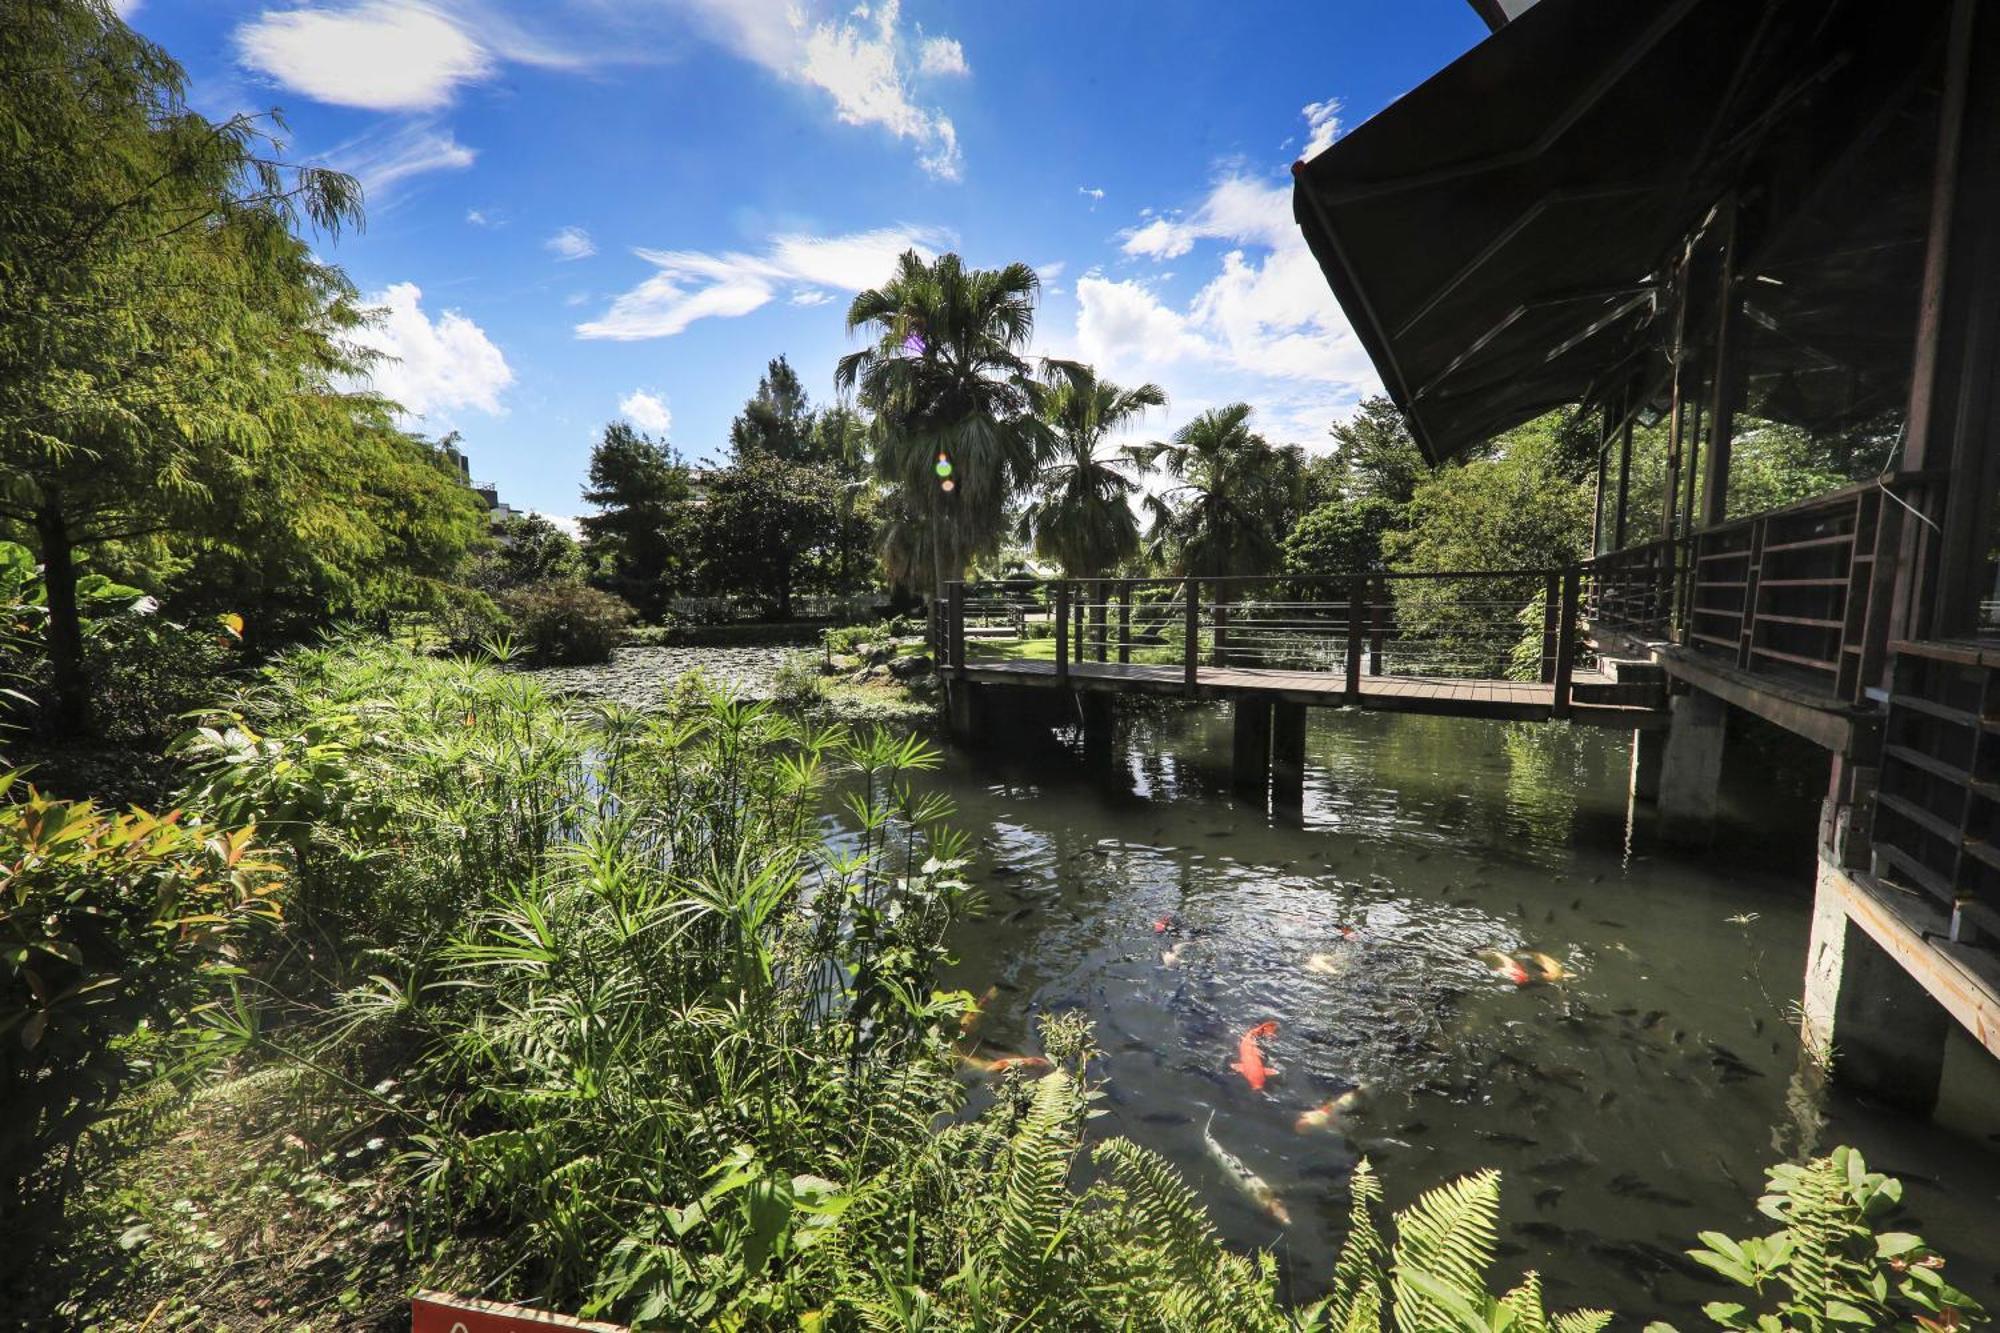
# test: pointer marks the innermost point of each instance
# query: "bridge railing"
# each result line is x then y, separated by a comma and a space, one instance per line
1800, 595
1481, 625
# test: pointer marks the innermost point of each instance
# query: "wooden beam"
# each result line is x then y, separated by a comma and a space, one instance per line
1726, 369
1062, 630
1965, 981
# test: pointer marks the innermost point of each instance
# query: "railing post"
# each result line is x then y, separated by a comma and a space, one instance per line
1566, 642
1191, 656
1357, 620
1551, 600
1100, 611
958, 628
1062, 630
1378, 611
1125, 623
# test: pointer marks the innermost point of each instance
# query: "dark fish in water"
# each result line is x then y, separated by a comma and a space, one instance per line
1219, 833
1680, 1035
1508, 1249
1006, 872
1548, 1198
1012, 988
1547, 1232
1598, 878
1421, 856
1165, 1118
1324, 1171
1611, 925
1627, 1185
1652, 1018
1626, 1012
1419, 1127
1608, 1098
1521, 910
1576, 904
1757, 1026
1550, 918
1564, 1164
1507, 1140
1019, 914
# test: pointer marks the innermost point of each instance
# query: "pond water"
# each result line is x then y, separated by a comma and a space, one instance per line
639, 674
1629, 1106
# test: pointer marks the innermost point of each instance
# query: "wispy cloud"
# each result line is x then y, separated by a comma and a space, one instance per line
691, 285
942, 57
384, 158
1093, 193
1322, 126
570, 243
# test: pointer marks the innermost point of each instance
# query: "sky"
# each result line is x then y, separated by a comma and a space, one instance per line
582, 210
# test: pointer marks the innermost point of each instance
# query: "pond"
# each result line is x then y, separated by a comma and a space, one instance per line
1629, 1105
638, 675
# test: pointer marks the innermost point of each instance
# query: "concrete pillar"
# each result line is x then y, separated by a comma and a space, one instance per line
1691, 769
1885, 1035
1288, 756
1250, 755
1100, 721
963, 711
1648, 748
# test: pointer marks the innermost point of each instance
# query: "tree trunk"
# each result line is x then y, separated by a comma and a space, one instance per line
65, 638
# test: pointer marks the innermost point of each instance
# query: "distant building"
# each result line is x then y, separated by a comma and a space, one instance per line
498, 511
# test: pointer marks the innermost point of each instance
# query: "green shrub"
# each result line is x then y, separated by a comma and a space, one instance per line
565, 624
105, 921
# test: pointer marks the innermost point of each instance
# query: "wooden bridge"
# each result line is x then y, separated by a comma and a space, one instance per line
1503, 644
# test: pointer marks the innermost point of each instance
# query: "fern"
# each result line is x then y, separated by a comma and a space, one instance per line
1355, 1304
1444, 1244
1036, 1200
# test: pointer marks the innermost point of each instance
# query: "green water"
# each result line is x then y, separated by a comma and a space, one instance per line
1628, 1107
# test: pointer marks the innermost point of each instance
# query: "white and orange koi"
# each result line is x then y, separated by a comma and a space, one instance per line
1253, 1186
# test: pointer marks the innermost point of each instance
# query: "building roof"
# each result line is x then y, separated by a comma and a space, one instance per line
1498, 235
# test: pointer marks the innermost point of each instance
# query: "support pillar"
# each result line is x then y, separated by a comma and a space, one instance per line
1648, 749
1886, 1035
1288, 756
964, 713
1100, 720
1250, 755
1691, 768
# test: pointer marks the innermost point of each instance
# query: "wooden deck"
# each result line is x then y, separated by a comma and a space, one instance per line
1506, 700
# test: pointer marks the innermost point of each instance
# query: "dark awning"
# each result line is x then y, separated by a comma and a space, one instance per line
1495, 235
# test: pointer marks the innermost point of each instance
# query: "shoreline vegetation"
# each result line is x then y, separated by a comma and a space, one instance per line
552, 1001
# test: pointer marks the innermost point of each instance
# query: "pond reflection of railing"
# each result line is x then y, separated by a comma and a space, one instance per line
1484, 625
1799, 595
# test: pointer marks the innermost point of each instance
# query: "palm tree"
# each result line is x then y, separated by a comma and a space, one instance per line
954, 399
1235, 494
1082, 517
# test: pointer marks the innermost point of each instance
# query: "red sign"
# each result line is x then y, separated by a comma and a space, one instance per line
431, 1312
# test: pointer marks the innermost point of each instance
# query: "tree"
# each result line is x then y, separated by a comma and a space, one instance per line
766, 526
636, 539
1233, 498
778, 419
1341, 537
528, 548
1525, 507
165, 332
1374, 456
1081, 514
953, 396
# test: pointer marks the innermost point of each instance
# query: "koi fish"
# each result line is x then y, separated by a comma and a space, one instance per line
968, 1022
1001, 1064
1328, 1114
1326, 964
1506, 967
1250, 1056
1348, 932
1164, 924
1172, 957
1253, 1186
1551, 970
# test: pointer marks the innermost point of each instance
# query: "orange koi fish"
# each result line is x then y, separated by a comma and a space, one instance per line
1001, 1064
1250, 1056
1506, 967
1328, 1114
1551, 970
1164, 924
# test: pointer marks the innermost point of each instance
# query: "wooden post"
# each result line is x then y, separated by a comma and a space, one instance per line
1727, 365
1080, 638
1125, 623
1566, 642
958, 628
1062, 630
1551, 636
1357, 620
1378, 614
1221, 628
1624, 484
1191, 653
1100, 611
1288, 755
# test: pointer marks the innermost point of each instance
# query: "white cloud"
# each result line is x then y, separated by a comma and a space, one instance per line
940, 56
378, 55
864, 74
1262, 327
479, 217
1053, 269
810, 296
431, 365
646, 411
382, 159
1093, 193
570, 243
692, 284
1323, 122
124, 9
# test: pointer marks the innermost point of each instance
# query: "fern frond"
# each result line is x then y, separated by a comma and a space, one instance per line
1035, 1202
1445, 1239
1356, 1300
1525, 1301
1581, 1321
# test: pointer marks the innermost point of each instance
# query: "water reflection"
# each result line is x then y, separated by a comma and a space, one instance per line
1629, 1106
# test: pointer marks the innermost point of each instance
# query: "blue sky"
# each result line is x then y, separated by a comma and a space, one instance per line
582, 209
